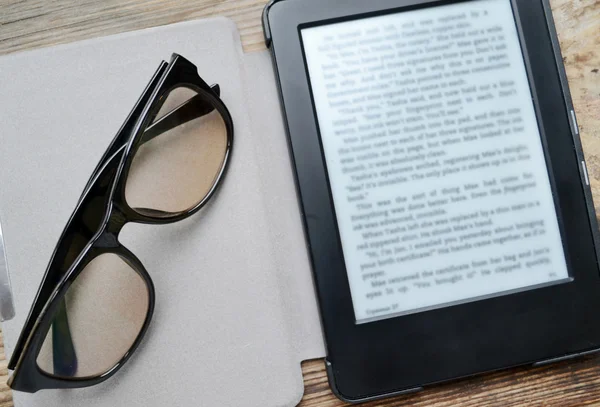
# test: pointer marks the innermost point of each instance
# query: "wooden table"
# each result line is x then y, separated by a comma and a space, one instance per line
27, 24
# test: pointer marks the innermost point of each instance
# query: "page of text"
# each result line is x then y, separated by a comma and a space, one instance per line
434, 154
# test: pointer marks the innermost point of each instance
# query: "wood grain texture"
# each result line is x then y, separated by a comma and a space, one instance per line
28, 24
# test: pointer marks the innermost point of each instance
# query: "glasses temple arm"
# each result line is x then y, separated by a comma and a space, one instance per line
64, 358
193, 108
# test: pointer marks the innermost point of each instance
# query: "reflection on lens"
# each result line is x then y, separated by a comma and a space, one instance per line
175, 170
98, 320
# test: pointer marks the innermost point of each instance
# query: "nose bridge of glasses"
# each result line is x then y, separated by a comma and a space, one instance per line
116, 221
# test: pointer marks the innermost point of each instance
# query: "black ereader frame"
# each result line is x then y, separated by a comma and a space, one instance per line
403, 354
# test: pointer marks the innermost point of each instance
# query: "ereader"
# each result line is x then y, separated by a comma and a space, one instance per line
444, 191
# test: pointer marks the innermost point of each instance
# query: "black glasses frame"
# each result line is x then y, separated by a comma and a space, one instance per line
101, 213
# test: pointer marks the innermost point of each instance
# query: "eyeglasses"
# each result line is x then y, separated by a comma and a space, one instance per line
96, 300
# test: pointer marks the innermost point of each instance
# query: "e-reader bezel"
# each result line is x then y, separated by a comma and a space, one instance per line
405, 353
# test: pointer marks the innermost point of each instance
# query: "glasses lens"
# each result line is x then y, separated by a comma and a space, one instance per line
179, 160
98, 320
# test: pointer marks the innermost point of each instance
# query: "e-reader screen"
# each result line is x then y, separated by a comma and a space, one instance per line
434, 156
